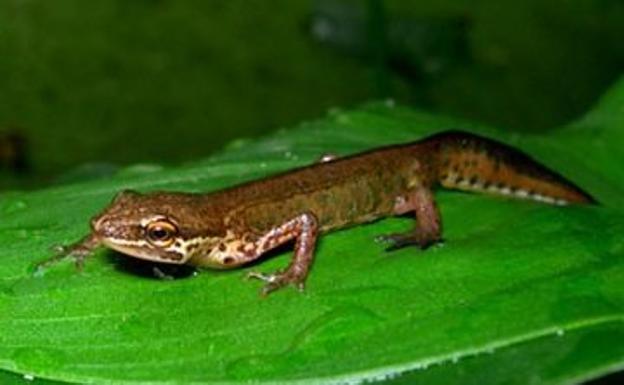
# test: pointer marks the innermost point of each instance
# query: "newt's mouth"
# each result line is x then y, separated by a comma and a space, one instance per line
141, 250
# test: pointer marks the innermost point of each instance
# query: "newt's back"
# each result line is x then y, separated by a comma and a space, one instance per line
367, 186
340, 192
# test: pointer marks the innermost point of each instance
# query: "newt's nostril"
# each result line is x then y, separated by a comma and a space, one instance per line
98, 224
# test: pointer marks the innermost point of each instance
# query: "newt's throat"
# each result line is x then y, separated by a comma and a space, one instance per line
141, 249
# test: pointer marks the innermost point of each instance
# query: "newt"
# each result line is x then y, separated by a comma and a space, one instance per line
235, 226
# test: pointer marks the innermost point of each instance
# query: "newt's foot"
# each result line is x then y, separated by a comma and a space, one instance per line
78, 251
158, 273
63, 252
277, 280
400, 240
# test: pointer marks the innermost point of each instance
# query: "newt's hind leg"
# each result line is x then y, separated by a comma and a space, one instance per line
428, 229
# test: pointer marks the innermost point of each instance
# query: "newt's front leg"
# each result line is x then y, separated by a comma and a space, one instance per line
304, 229
79, 251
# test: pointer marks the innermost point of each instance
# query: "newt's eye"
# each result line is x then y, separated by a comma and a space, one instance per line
161, 233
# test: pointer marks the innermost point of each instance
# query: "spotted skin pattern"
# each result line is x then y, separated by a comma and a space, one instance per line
235, 226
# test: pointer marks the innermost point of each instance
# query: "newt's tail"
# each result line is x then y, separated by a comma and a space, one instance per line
474, 163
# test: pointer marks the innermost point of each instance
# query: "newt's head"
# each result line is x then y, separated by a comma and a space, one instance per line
158, 227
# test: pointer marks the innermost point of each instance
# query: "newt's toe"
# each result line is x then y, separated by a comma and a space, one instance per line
276, 281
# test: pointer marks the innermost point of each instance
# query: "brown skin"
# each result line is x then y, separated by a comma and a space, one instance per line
235, 226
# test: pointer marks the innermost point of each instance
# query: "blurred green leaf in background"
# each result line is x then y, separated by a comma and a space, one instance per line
179, 79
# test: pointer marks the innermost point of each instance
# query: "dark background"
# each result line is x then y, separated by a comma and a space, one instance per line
86, 86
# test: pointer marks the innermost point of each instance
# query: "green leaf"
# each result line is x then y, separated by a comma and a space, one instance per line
519, 292
567, 357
